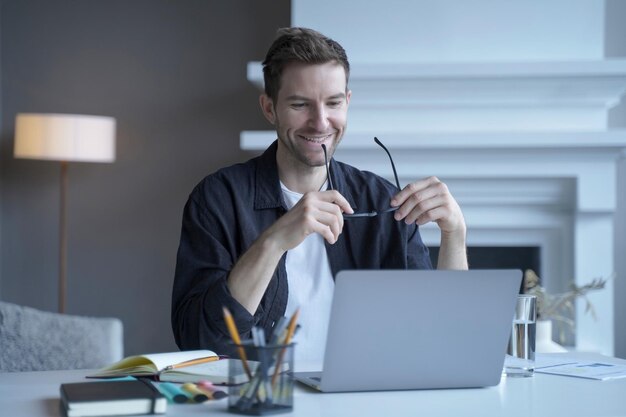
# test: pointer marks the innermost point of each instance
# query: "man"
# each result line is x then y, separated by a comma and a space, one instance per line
267, 236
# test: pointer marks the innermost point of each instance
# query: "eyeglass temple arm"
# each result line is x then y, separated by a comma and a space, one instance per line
330, 180
393, 166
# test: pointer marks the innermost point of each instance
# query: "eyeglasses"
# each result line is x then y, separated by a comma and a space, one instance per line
373, 213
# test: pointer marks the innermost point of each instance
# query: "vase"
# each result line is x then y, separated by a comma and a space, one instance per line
543, 338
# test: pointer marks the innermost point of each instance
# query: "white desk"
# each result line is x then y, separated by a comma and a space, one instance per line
36, 394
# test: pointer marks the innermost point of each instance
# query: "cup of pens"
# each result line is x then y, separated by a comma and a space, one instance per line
268, 380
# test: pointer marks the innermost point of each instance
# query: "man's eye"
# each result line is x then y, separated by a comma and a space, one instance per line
298, 105
334, 103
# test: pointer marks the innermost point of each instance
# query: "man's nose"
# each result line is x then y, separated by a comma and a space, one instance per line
319, 119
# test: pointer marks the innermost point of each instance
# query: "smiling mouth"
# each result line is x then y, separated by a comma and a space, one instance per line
315, 139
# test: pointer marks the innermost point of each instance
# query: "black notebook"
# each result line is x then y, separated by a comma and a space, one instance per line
111, 398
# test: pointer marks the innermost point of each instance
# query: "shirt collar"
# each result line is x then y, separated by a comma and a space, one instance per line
267, 191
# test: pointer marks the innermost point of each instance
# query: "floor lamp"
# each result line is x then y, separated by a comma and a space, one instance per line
66, 138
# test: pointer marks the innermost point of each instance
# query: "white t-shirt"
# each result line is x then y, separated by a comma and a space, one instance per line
311, 287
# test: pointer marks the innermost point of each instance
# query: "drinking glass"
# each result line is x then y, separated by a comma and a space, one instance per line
520, 358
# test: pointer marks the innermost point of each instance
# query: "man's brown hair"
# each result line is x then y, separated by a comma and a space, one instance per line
300, 45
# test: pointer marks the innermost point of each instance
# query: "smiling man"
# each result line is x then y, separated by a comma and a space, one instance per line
267, 236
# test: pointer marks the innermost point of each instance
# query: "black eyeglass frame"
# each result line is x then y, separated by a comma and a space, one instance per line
373, 213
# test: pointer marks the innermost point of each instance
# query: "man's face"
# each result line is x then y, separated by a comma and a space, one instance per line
310, 110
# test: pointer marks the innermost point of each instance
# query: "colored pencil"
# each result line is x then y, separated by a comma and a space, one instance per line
234, 334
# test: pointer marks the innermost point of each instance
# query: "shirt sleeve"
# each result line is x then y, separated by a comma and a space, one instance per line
417, 252
204, 260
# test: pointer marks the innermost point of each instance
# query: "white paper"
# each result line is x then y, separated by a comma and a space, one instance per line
546, 360
589, 369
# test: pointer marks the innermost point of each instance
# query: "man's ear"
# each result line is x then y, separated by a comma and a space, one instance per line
267, 107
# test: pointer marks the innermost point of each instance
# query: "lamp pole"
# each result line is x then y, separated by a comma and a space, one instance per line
63, 237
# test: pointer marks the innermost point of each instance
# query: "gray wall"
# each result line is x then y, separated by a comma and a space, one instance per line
173, 74
615, 46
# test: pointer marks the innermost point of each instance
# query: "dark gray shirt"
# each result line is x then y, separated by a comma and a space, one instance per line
228, 210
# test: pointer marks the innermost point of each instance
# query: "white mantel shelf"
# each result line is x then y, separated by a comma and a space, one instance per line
604, 68
609, 140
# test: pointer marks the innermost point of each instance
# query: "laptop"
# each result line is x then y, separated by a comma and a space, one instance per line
411, 329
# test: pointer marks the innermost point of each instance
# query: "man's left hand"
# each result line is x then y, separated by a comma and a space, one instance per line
429, 200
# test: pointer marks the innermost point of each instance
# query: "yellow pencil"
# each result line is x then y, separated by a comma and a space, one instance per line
292, 326
290, 330
234, 334
193, 362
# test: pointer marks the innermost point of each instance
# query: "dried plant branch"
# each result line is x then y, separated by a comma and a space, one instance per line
559, 307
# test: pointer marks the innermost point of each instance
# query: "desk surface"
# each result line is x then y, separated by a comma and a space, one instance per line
36, 394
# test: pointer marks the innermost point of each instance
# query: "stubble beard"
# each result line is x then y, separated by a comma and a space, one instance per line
292, 149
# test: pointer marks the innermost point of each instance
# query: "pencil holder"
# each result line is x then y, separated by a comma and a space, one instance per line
264, 385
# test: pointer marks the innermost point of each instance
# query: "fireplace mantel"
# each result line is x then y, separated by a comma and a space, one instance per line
589, 82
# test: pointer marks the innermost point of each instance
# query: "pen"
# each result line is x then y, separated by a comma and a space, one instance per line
213, 395
264, 363
277, 330
193, 391
290, 329
193, 362
234, 334
173, 392
211, 390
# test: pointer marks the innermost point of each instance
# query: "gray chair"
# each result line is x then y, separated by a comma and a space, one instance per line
34, 340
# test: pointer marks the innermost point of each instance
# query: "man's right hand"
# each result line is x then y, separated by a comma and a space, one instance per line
316, 212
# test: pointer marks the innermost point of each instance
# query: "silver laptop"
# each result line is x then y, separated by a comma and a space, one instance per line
399, 329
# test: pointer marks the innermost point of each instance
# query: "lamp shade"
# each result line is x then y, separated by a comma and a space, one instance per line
65, 137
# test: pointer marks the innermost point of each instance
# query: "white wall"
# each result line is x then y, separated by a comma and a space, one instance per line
450, 32
615, 46
457, 30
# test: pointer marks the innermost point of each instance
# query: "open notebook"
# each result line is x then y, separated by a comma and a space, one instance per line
159, 366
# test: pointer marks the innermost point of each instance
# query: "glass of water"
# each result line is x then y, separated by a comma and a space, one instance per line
520, 358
